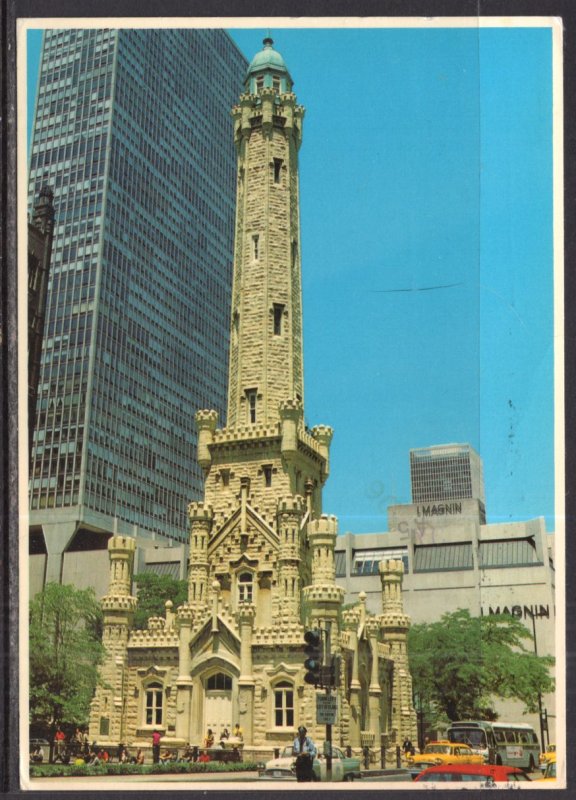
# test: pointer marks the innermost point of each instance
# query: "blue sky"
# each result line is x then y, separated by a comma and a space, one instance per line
426, 167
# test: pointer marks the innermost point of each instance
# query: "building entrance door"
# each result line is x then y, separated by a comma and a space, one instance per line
218, 704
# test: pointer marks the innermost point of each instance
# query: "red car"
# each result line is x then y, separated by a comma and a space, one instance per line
479, 773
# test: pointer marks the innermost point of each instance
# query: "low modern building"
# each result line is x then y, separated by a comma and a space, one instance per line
453, 559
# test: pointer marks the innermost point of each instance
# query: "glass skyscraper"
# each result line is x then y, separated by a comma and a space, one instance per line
133, 134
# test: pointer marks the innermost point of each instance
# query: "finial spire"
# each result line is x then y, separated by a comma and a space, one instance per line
268, 41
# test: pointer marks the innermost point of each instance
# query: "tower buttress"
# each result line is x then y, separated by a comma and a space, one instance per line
290, 511
118, 606
395, 624
198, 567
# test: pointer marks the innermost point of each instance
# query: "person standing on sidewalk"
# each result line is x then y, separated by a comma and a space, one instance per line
305, 751
156, 747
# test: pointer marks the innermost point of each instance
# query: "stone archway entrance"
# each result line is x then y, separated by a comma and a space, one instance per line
217, 703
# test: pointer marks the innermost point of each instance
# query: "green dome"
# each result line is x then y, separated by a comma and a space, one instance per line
267, 62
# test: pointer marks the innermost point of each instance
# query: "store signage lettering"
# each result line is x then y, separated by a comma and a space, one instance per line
525, 612
439, 510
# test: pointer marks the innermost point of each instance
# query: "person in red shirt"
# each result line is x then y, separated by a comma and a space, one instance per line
156, 746
59, 740
204, 757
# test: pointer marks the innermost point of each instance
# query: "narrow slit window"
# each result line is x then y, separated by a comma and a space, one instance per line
251, 400
277, 170
278, 314
267, 470
255, 247
276, 82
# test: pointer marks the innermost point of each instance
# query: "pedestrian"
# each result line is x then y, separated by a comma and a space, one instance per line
407, 746
237, 732
156, 746
204, 758
37, 755
59, 740
305, 751
209, 739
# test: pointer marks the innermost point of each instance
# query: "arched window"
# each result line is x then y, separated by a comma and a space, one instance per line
153, 706
284, 705
245, 587
219, 681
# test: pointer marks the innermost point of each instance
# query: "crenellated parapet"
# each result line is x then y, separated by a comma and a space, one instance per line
119, 602
206, 421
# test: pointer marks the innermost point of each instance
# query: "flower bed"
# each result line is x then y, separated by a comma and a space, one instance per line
173, 767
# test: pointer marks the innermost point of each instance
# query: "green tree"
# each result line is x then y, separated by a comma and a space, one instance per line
153, 592
65, 652
459, 663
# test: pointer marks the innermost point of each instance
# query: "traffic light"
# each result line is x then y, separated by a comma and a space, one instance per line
313, 650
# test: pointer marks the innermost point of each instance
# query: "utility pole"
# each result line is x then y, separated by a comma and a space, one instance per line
540, 710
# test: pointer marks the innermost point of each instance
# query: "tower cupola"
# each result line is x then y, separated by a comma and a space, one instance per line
268, 70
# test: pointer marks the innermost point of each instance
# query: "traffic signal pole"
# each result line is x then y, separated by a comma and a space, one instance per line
327, 662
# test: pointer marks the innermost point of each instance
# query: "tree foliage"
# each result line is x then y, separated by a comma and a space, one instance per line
459, 663
65, 652
153, 592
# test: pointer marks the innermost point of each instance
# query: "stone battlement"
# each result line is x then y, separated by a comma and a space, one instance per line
154, 638
118, 544
324, 593
197, 510
119, 602
326, 525
206, 419
291, 505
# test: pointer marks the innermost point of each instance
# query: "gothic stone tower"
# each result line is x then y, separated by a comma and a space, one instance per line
261, 567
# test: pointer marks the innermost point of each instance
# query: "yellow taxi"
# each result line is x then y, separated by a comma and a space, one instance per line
550, 771
445, 752
546, 757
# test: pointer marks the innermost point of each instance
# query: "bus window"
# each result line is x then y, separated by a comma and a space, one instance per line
499, 734
523, 736
510, 737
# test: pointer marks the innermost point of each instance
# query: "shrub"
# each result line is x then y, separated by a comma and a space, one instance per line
171, 768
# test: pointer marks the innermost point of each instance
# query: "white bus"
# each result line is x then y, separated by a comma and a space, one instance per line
513, 744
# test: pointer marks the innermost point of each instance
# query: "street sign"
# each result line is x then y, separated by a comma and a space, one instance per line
326, 709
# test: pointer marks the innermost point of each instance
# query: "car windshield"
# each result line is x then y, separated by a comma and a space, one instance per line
287, 752
437, 748
472, 736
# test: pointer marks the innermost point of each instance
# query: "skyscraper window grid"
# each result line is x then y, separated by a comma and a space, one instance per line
446, 472
137, 318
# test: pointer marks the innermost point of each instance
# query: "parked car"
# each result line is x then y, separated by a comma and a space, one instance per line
471, 773
283, 768
444, 752
547, 756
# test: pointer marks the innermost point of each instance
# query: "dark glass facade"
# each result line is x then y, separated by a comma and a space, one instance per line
133, 132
